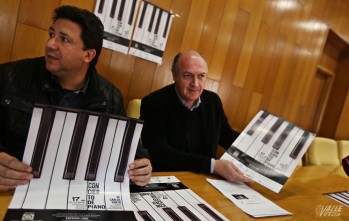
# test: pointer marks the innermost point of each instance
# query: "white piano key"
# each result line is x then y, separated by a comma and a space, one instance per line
141, 205
125, 185
253, 148
202, 201
179, 197
39, 187
170, 203
144, 31
141, 22
268, 153
78, 186
58, 193
113, 190
21, 190
131, 17
115, 24
241, 140
155, 200
294, 162
101, 9
98, 201
285, 159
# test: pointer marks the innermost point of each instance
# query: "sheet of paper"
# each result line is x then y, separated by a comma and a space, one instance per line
269, 149
247, 199
79, 160
166, 198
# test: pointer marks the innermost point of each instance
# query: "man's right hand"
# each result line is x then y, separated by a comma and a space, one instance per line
229, 171
13, 172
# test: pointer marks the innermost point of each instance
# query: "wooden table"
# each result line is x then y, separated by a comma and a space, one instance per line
302, 194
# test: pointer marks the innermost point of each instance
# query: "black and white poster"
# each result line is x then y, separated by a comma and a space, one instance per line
79, 162
151, 32
118, 18
269, 149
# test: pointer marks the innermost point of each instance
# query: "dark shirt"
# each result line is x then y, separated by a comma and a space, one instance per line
179, 139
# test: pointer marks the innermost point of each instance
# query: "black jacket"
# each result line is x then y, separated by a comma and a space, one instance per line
169, 128
26, 82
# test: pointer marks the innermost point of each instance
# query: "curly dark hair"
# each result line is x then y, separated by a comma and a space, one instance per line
91, 26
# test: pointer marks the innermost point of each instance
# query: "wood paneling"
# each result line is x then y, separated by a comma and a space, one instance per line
261, 53
8, 19
37, 13
29, 42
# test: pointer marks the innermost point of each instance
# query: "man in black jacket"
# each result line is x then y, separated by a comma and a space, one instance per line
66, 77
184, 124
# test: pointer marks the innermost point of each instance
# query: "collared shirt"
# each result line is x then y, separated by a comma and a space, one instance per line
196, 105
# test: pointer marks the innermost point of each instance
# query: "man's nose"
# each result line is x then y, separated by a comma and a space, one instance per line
52, 43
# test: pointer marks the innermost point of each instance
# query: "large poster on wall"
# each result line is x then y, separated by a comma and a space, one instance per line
151, 32
136, 27
118, 18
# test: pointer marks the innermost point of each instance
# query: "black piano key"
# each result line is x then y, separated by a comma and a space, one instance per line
125, 151
150, 27
172, 214
257, 123
96, 149
75, 146
113, 8
167, 24
209, 211
121, 9
272, 131
283, 136
299, 145
145, 215
141, 20
188, 213
133, 8
158, 22
101, 6
42, 140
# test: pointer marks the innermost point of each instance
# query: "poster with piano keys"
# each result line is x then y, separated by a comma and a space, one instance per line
151, 32
79, 162
118, 18
166, 198
269, 149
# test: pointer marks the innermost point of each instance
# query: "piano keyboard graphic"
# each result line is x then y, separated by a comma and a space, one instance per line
79, 159
274, 142
177, 205
151, 32
118, 17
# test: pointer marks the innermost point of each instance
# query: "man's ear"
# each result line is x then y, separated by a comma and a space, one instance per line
89, 55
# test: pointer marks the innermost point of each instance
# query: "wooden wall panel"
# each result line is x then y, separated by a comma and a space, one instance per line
261, 54
195, 24
29, 42
224, 35
37, 13
89, 5
8, 19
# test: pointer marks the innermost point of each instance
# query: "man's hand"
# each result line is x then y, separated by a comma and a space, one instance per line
229, 171
13, 172
140, 171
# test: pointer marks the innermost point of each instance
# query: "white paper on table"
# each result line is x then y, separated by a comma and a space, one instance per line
247, 199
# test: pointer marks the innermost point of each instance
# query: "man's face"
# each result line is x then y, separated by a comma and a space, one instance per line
64, 52
190, 77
